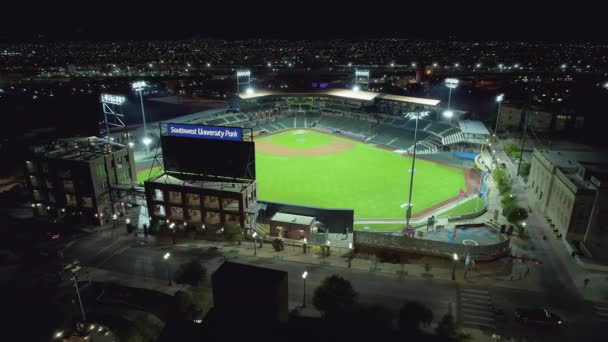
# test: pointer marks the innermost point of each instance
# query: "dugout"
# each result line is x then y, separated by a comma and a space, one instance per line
291, 226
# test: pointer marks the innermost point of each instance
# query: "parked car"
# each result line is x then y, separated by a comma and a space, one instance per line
538, 316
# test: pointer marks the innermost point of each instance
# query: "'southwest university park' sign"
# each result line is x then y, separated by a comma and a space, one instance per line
205, 132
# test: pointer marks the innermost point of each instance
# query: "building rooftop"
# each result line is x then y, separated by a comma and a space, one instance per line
291, 218
345, 93
568, 159
197, 182
83, 149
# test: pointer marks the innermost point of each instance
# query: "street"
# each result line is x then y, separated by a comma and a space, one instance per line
474, 306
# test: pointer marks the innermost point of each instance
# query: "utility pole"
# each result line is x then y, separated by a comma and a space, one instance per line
523, 140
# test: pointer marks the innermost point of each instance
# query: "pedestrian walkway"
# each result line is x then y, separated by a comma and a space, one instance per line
601, 312
476, 309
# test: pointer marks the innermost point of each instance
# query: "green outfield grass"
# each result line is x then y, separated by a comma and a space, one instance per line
143, 175
373, 181
464, 208
380, 227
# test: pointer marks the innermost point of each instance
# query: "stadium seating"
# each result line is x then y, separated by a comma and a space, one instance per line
396, 132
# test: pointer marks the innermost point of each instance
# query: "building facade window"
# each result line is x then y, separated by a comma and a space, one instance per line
70, 200
68, 185
211, 202
159, 195
194, 215
175, 197
34, 181
193, 199
29, 165
87, 202
36, 195
177, 213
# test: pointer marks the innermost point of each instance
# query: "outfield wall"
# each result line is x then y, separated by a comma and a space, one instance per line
383, 244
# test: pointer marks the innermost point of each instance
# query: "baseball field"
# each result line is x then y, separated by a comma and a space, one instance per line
307, 167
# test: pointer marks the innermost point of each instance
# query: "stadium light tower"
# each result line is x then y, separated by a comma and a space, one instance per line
451, 83
361, 79
243, 79
415, 116
499, 99
139, 87
112, 112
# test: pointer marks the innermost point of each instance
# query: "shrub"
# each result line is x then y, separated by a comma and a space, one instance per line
334, 296
278, 245
191, 272
517, 214
525, 169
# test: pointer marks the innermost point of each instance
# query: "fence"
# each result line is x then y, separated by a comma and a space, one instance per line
379, 243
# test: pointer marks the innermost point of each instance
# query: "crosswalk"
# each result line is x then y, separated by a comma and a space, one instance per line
601, 312
476, 309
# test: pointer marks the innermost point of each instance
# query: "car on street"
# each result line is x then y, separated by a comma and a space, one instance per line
538, 316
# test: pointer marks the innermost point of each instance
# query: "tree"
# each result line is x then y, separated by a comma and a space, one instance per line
278, 245
191, 272
371, 318
335, 295
508, 199
412, 315
525, 169
517, 215
183, 306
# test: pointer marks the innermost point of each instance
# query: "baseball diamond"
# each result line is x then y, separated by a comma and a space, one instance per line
312, 168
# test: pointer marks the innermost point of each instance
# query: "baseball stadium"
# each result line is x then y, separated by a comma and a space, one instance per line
339, 148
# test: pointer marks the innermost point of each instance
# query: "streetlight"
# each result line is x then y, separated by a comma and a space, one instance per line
58, 334
416, 116
255, 248
131, 144
74, 269
454, 261
114, 218
304, 275
356, 88
249, 91
147, 141
499, 99
451, 83
139, 87
166, 257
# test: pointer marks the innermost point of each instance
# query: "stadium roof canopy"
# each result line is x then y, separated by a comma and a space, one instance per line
409, 99
345, 93
473, 127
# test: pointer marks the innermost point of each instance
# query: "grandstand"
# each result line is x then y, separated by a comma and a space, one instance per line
371, 117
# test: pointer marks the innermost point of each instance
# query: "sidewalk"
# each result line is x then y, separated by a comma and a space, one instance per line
502, 272
130, 280
571, 274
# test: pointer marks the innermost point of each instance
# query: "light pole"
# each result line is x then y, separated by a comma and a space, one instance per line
74, 269
499, 99
139, 87
304, 275
166, 257
454, 261
415, 116
451, 83
255, 242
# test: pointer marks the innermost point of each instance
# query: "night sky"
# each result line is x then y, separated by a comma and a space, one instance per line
489, 20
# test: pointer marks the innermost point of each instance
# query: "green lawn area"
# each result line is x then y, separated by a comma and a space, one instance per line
380, 226
202, 297
373, 181
464, 208
145, 174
